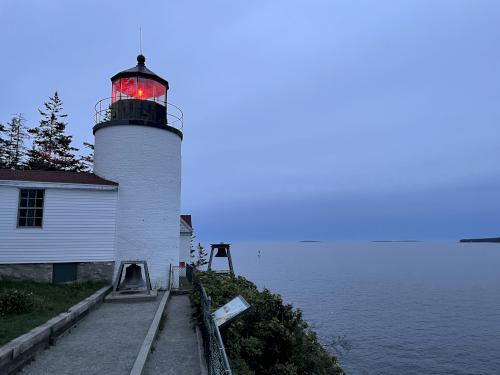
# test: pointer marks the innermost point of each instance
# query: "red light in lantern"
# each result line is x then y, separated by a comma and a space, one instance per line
138, 88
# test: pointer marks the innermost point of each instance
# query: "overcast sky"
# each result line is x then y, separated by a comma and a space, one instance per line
303, 119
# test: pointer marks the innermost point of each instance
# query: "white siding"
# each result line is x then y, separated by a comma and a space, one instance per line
78, 226
185, 248
146, 162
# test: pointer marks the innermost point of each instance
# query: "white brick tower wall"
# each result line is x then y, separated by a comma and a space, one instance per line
146, 162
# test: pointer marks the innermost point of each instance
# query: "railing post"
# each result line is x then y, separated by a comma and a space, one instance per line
169, 277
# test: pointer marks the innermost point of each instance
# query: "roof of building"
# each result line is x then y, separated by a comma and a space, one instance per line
187, 220
140, 70
54, 176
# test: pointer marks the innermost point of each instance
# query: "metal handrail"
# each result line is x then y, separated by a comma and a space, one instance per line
175, 116
170, 277
173, 277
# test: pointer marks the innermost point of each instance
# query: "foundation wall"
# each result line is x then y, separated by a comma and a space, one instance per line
44, 272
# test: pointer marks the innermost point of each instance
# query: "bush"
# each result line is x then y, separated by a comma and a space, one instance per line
271, 337
14, 301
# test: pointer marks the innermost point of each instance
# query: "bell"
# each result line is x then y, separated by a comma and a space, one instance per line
133, 278
221, 252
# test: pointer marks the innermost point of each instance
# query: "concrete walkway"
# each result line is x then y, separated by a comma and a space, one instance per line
176, 349
107, 341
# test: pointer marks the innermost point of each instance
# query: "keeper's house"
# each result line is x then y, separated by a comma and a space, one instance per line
63, 226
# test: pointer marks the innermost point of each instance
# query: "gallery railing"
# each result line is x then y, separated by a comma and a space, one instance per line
215, 352
173, 114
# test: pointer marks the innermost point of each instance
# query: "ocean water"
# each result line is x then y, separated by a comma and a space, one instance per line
390, 308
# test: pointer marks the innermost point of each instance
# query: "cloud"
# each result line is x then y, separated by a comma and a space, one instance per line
292, 109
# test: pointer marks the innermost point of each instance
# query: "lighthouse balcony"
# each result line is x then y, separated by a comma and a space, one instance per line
132, 111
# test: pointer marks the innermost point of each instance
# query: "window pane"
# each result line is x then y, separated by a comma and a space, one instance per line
30, 208
115, 94
128, 88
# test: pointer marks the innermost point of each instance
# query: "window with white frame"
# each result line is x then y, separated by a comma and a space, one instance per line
30, 212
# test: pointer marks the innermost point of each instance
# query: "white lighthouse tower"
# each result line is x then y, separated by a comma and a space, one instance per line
138, 145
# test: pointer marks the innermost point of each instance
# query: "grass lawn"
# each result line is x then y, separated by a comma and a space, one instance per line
50, 300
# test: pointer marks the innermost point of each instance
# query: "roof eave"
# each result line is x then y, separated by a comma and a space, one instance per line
57, 185
138, 73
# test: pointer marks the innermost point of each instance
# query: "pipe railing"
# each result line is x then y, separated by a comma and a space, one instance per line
175, 117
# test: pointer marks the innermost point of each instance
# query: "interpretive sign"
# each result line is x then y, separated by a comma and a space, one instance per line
230, 310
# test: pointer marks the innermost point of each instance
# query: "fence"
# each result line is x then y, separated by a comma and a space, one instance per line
173, 277
217, 361
180, 277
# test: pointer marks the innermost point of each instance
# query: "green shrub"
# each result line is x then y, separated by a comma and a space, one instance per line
271, 337
14, 301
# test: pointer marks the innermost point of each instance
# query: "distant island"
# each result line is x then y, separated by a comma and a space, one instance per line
396, 241
309, 241
491, 239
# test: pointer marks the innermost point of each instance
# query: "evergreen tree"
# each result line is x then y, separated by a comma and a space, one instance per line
87, 161
3, 147
192, 250
13, 149
201, 256
52, 148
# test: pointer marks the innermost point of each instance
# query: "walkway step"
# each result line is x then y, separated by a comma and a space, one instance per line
176, 350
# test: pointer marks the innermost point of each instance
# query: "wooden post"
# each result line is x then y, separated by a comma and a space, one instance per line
231, 271
211, 257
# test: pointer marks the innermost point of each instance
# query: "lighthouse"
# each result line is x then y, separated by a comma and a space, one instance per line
138, 139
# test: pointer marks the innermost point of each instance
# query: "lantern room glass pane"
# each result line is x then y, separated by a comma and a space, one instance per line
116, 90
138, 88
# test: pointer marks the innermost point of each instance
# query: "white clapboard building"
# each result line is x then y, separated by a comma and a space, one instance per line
63, 226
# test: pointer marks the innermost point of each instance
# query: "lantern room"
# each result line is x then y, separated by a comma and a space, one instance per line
138, 96
139, 83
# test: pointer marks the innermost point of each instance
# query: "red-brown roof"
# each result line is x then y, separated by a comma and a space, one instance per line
54, 176
187, 219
